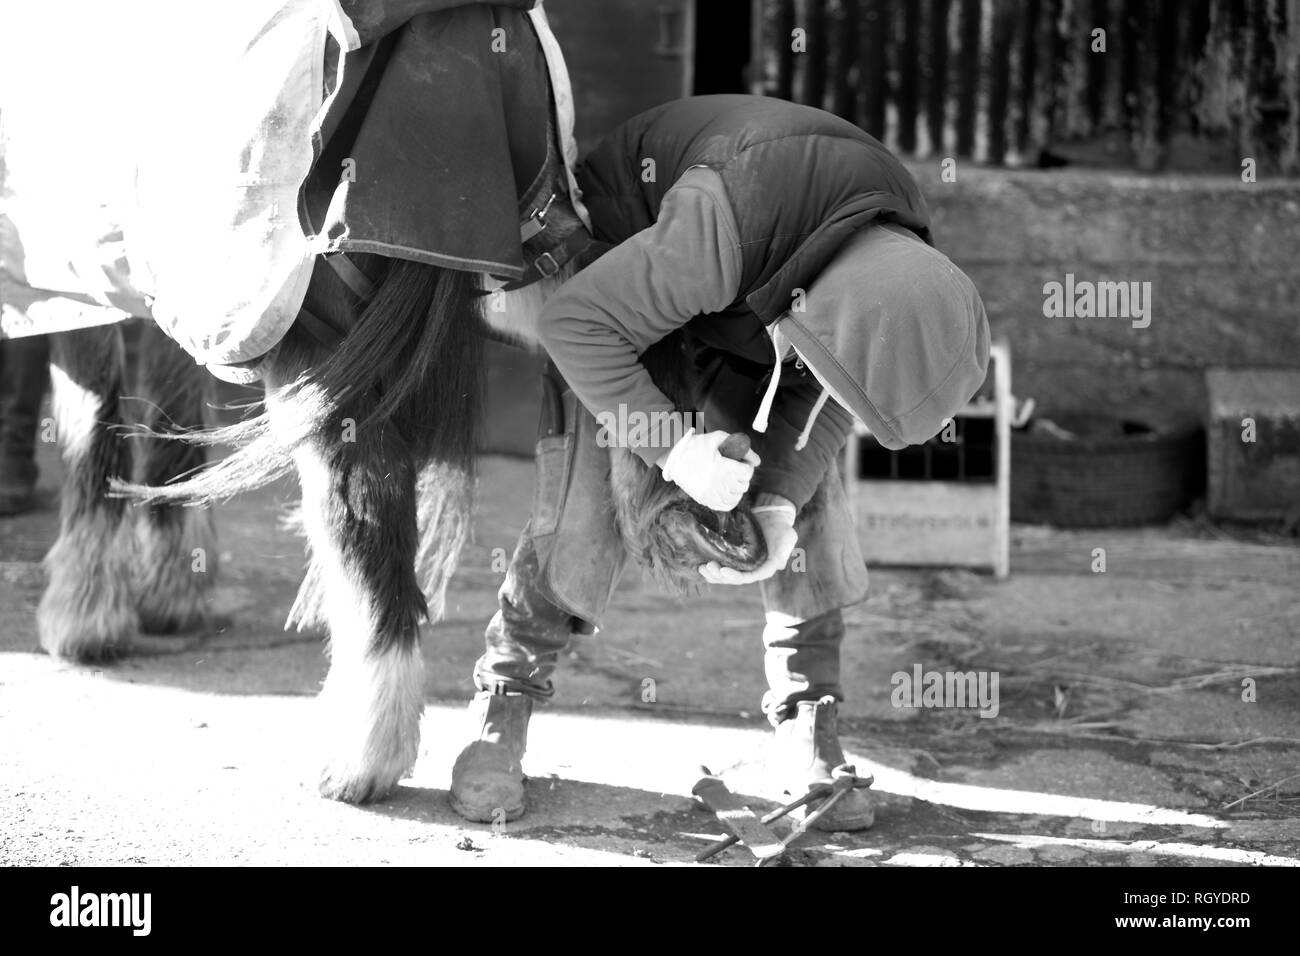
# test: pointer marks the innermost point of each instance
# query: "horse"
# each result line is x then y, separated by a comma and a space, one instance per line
115, 571
372, 401
379, 433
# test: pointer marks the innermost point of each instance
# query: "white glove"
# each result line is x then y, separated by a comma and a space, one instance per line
776, 521
697, 467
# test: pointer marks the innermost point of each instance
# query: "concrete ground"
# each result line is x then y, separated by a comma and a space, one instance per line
1122, 736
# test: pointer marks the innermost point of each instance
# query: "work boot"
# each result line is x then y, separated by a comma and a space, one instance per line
805, 751
488, 777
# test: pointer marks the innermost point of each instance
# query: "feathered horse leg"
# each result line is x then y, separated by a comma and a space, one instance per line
177, 546
358, 500
414, 430
88, 610
393, 406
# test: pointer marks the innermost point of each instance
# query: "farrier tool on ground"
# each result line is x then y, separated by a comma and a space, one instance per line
755, 831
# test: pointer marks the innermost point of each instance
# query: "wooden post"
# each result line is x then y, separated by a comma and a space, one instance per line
1098, 63
908, 52
814, 61
1129, 43
688, 47
999, 73
1171, 33
843, 97
1076, 40
1148, 153
756, 79
1048, 41
1027, 48
783, 18
936, 91
1289, 157
1193, 27
968, 77
873, 75
1266, 81
1237, 31
1112, 105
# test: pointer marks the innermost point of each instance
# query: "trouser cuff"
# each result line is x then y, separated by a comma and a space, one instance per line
486, 680
779, 711
802, 662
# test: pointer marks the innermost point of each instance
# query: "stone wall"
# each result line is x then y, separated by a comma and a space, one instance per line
1222, 257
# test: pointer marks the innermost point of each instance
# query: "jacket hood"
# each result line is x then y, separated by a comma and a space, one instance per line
895, 332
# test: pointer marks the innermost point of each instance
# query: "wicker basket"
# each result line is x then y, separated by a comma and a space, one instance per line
1112, 473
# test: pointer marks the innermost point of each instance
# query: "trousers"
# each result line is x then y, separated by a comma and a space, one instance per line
570, 555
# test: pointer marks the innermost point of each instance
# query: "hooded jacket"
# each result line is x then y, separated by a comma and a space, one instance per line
775, 233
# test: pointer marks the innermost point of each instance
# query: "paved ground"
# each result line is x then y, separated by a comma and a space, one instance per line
1122, 735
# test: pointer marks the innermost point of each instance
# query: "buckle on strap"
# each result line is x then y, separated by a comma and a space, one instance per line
536, 221
546, 265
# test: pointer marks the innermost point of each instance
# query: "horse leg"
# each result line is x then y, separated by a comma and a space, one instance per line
359, 513
88, 611
24, 371
392, 405
177, 546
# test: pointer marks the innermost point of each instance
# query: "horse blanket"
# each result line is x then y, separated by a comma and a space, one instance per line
148, 171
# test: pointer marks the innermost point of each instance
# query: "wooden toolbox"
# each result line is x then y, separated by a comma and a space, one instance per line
946, 503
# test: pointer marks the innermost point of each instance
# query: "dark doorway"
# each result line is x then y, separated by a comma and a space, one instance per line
722, 30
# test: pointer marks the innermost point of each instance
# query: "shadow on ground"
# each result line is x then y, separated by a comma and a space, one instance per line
1126, 732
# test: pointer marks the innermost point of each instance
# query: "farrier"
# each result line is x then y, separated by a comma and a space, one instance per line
793, 254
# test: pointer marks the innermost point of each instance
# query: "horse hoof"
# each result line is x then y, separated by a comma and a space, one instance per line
372, 710
67, 635
346, 787
688, 535
175, 572
87, 612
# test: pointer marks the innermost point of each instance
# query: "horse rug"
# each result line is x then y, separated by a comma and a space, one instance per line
146, 171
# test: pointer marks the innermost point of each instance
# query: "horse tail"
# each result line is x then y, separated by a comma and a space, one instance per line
412, 367
411, 362
422, 355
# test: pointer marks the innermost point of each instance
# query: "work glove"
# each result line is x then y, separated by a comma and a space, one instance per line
697, 467
776, 521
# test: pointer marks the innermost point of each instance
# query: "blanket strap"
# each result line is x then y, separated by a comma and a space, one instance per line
319, 329
351, 274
